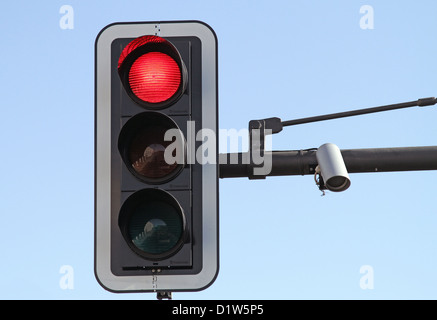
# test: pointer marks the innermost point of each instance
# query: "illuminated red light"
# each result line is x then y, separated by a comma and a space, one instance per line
152, 72
154, 77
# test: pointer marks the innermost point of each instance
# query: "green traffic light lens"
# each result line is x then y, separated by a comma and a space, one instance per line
153, 224
155, 227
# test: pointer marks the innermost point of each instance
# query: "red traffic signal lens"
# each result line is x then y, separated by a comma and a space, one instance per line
152, 72
154, 77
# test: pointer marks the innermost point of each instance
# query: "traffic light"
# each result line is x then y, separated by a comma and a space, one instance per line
156, 186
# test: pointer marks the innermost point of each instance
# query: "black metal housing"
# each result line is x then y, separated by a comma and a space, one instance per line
185, 186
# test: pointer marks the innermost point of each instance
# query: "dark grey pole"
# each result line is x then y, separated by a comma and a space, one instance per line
303, 162
418, 103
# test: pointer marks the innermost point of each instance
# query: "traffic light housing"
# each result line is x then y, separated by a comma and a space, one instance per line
156, 184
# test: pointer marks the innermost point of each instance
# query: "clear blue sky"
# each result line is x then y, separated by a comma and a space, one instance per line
279, 239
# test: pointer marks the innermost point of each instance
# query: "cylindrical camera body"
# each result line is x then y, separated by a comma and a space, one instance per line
332, 167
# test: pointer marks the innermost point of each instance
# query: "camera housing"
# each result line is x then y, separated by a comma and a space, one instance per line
332, 168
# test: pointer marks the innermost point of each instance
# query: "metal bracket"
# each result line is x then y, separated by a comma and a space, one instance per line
258, 129
163, 295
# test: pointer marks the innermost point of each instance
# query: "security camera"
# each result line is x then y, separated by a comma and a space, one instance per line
332, 168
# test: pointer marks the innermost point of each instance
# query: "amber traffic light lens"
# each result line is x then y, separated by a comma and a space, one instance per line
146, 151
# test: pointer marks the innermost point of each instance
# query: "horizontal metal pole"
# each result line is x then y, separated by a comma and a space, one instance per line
421, 103
303, 162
